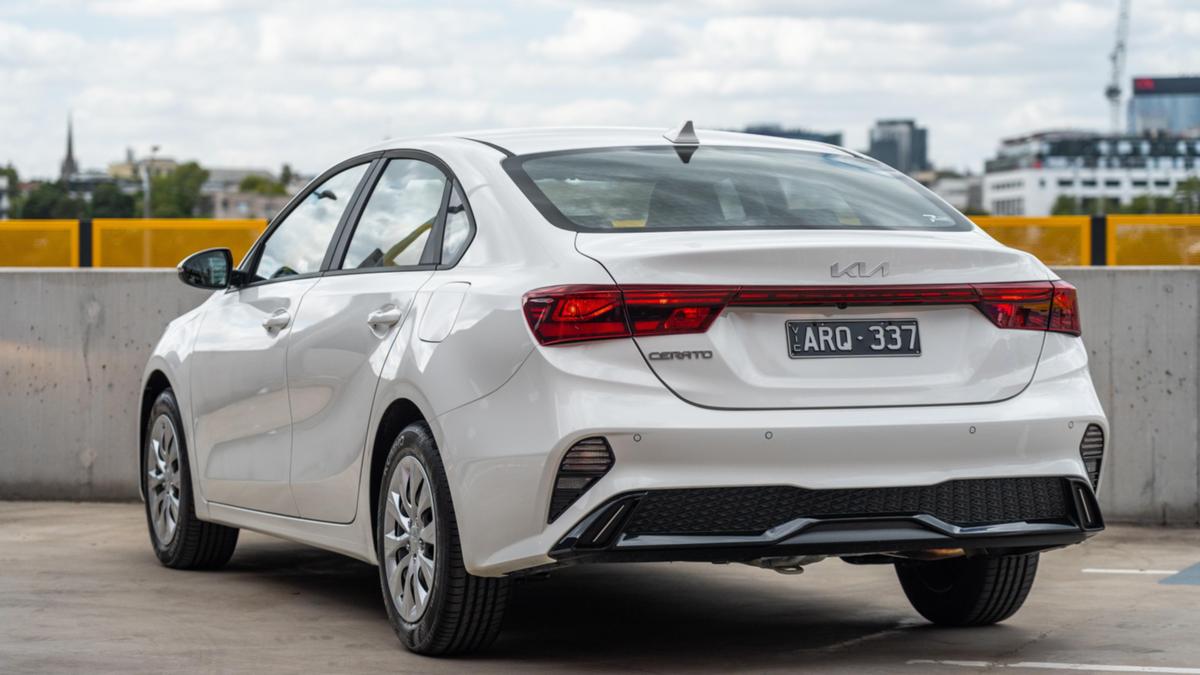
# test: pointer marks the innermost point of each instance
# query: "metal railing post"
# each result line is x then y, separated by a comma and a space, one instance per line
1099, 240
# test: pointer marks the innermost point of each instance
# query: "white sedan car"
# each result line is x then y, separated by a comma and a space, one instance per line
468, 358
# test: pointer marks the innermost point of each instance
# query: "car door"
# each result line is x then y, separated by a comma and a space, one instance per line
243, 437
349, 322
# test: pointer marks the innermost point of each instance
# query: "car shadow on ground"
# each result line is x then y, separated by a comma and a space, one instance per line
606, 615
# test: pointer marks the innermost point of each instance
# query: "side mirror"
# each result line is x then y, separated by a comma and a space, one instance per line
210, 269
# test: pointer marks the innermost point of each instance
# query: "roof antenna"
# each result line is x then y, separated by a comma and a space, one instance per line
684, 134
685, 140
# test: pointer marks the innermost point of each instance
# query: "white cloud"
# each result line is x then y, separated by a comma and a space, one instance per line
592, 34
261, 82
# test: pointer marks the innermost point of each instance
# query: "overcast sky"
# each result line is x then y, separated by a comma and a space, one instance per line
257, 83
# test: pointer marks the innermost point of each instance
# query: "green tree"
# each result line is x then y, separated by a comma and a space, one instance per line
1151, 204
109, 202
177, 194
1187, 195
1066, 205
286, 175
51, 200
261, 185
14, 191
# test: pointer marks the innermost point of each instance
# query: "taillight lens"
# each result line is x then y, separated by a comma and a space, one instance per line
577, 313
1016, 305
1064, 312
670, 311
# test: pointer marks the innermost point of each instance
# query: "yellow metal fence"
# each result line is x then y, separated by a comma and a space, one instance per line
113, 242
136, 242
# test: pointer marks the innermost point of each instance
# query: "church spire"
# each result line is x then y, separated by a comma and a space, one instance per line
69, 167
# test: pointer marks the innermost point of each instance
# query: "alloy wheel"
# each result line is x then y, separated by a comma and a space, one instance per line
410, 539
163, 478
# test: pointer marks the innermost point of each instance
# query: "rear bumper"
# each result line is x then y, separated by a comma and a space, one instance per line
502, 452
618, 531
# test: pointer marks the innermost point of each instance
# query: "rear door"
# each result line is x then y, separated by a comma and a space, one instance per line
239, 375
349, 322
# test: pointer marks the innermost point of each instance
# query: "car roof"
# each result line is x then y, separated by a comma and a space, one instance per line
553, 139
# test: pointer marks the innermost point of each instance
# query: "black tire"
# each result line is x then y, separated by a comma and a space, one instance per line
195, 544
464, 612
970, 591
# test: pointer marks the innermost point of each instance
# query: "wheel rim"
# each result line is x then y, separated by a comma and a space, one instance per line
163, 478
410, 539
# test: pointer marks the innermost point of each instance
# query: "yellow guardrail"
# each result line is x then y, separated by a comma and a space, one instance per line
1153, 240
1055, 240
39, 243
163, 242
138, 242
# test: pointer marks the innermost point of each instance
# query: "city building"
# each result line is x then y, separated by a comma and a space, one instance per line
1101, 171
962, 191
131, 168
900, 144
235, 204
229, 179
832, 137
1165, 105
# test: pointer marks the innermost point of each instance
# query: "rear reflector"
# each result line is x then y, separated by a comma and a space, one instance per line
562, 314
1091, 450
581, 467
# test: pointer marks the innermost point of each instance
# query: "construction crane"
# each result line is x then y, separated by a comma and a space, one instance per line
1117, 57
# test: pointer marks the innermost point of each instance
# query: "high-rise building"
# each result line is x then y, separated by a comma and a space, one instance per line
1099, 172
1165, 105
901, 144
832, 137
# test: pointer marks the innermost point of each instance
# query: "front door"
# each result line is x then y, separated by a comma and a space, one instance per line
243, 435
346, 327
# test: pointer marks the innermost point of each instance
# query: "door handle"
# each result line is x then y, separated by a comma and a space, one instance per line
384, 317
280, 319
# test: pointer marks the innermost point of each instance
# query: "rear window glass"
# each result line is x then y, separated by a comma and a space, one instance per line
725, 188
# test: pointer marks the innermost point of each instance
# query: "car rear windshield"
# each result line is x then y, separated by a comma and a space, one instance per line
660, 188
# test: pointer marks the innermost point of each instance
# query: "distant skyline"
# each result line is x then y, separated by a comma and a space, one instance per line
257, 83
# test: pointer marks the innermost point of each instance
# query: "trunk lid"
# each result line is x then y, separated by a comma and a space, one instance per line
744, 359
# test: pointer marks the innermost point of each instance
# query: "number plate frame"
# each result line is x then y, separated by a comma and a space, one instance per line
860, 332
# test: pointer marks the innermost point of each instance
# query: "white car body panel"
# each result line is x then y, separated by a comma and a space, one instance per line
239, 392
333, 365
269, 417
750, 367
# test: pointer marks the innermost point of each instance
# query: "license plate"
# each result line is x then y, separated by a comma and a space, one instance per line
859, 337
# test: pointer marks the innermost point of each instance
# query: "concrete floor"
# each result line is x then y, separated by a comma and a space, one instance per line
80, 591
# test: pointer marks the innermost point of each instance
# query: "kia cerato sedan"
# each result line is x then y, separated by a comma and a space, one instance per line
468, 358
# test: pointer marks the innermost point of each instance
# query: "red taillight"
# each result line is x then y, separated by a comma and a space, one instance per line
1040, 305
574, 313
671, 311
577, 313
1064, 311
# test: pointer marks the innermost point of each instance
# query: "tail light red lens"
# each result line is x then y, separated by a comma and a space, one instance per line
1064, 310
577, 313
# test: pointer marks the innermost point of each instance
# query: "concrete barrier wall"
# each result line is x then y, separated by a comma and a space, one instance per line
73, 344
72, 348
1142, 329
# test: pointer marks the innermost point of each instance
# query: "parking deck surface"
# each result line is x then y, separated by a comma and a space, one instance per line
80, 591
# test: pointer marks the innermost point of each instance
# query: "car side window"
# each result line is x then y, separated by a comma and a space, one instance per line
298, 244
399, 215
458, 229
